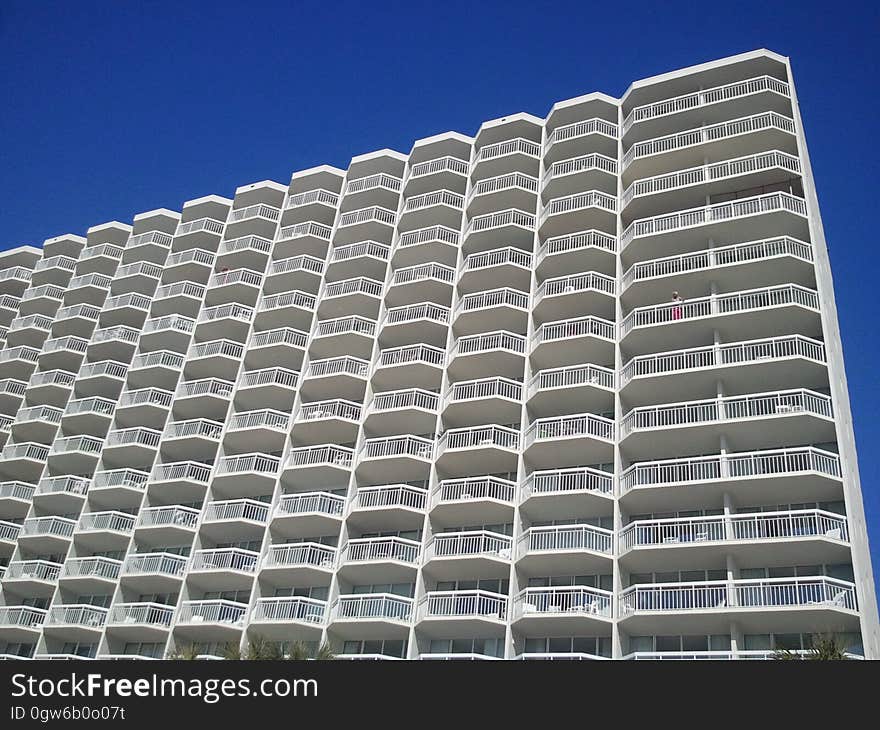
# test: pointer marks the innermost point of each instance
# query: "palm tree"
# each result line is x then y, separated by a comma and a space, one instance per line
826, 647
232, 652
259, 649
299, 651
185, 652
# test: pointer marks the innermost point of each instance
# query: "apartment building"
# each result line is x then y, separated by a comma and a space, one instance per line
569, 388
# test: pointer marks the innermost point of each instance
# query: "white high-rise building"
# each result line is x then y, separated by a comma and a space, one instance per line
572, 387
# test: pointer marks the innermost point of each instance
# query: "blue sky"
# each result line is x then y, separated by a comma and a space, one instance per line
108, 109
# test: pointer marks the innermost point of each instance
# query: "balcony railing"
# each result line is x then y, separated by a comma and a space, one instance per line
577, 327
152, 614
463, 604
581, 129
353, 286
562, 481
156, 563
146, 396
182, 471
380, 180
341, 409
338, 366
128, 478
397, 446
155, 237
577, 600
301, 230
295, 299
158, 358
208, 225
402, 399
306, 456
297, 263
204, 386
365, 215
501, 219
509, 147
426, 354
497, 257
730, 408
266, 418
371, 549
479, 437
16, 490
381, 606
558, 427
110, 368
195, 428
236, 559
489, 341
212, 612
92, 567
310, 503
416, 312
280, 336
174, 516
449, 491
390, 496
423, 272
436, 197
313, 554
432, 234
580, 201
192, 255
22, 616
269, 376
77, 615
504, 182
227, 311
440, 164
63, 485
173, 322
260, 210
139, 268
563, 538
248, 510
111, 521
9, 531
591, 281
293, 608
574, 165
346, 325
248, 463
221, 348
469, 544
319, 195
356, 250
483, 388
571, 376
134, 437
30, 451
504, 297
43, 570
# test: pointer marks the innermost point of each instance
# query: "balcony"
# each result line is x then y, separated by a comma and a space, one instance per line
179, 298
299, 563
395, 458
563, 610
185, 481
513, 226
90, 574
166, 525
309, 238
491, 269
373, 560
17, 361
259, 219
269, 386
131, 446
781, 604
308, 513
553, 494
29, 331
367, 224
143, 620
435, 243
592, 292
762, 216
423, 282
351, 296
369, 258
568, 214
491, 448
565, 550
160, 368
203, 233
126, 310
505, 308
749, 421
197, 438
317, 204
78, 320
283, 345
104, 378
14, 280
78, 620
573, 342
326, 421
437, 207
15, 498
207, 620
388, 506
278, 618
172, 332
235, 519
295, 273
324, 465
295, 308
381, 189
158, 571
193, 264
471, 554
462, 613
241, 286
569, 440
9, 532
409, 366
223, 568
87, 289
805, 535
24, 461
573, 174
499, 352
21, 623
485, 500
469, 402
560, 390
207, 397
65, 353
568, 139
742, 366
61, 495
343, 377
150, 246
352, 335
218, 359
37, 423
32, 577
264, 429
140, 277
107, 530
246, 475
707, 105
371, 615
44, 299
758, 476
512, 190
225, 319
441, 172
510, 155
413, 410
144, 406
120, 486
424, 322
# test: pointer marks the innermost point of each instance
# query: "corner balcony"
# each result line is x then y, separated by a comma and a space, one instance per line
198, 439
44, 299
514, 227
144, 406
18, 361
78, 320
685, 188
61, 495
423, 282
29, 331
223, 568
492, 269
765, 312
563, 610
775, 604
15, 498
491, 448
268, 386
254, 430
343, 377
317, 204
87, 289
295, 308
131, 446
707, 105
394, 459
203, 233
765, 420
369, 258
327, 421
350, 296
120, 487
278, 618
325, 465
565, 549
154, 571
70, 455
166, 525
193, 264
115, 343
472, 401
104, 378
352, 335
471, 554
437, 207
93, 575
388, 506
259, 219
106, 530
569, 441
569, 214
128, 310
208, 397
308, 513
300, 273
76, 621
805, 535
140, 277
215, 620
424, 322
765, 130
512, 190
462, 614
560, 390
15, 280
758, 476
409, 366
373, 560
585, 172
246, 475
371, 616
566, 140
436, 243
413, 410
144, 621
574, 341
65, 353
484, 500
181, 297
511, 155
441, 172
742, 366
299, 563
183, 481
366, 224
172, 332
283, 345
379, 189
234, 519
310, 238
499, 352
32, 577
37, 423
9, 532
231, 319
21, 623
149, 246
762, 216
217, 359
24, 461
588, 292
505, 308
160, 368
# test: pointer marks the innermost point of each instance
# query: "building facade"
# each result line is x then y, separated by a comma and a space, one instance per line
570, 388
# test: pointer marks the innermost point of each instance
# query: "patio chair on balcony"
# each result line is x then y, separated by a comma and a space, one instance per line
529, 608
834, 533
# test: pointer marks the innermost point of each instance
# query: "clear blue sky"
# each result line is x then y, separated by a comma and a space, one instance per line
108, 109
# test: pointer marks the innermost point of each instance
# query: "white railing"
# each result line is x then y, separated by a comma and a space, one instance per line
82, 311
260, 210
181, 471
338, 366
160, 563
266, 418
563, 599
35, 321
563, 538
225, 559
488, 341
175, 516
504, 297
139, 268
806, 592
56, 262
171, 322
483, 388
435, 197
305, 456
382, 606
16, 490
571, 376
342, 409
356, 250
696, 99
146, 396
577, 327
423, 272
479, 437
580, 201
366, 549
497, 257
129, 478
111, 520
737, 465
559, 427
30, 451
511, 217
293, 608
63, 485
82, 444
248, 463
269, 376
194, 428
140, 436
318, 195
296, 263
303, 230
133, 299
236, 276
222, 348
204, 386
297, 299
463, 604
119, 332
440, 164
22, 616
310, 503
380, 180
15, 272
573, 283
209, 225
180, 289
399, 399
214, 612
389, 496
581, 129
416, 312
23, 352
233, 310
190, 256
314, 554
515, 146
704, 215
360, 285
43, 570
730, 408
99, 281
450, 491
508, 181
77, 614
738, 253
736, 353
411, 354
150, 237
432, 234
577, 242
9, 531
469, 543
110, 368
236, 509
47, 414
153, 614
709, 133
346, 325
92, 567
69, 344
365, 215
720, 304
279, 336
395, 446
574, 165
